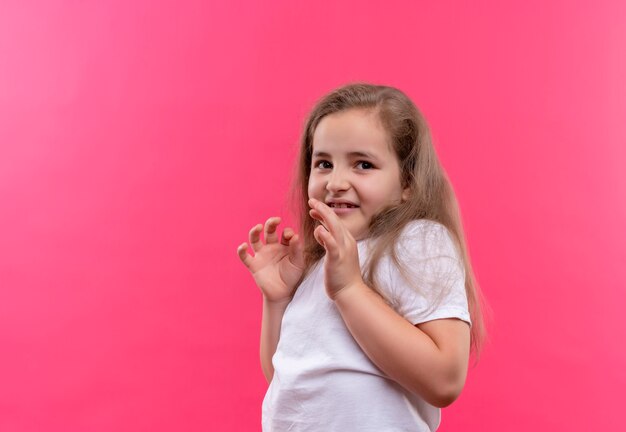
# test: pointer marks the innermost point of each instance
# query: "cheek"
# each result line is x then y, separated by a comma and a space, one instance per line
313, 186
382, 194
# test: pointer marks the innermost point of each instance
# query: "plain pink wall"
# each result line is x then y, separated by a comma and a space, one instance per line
140, 140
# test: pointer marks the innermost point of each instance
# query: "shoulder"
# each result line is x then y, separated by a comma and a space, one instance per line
422, 226
426, 277
426, 237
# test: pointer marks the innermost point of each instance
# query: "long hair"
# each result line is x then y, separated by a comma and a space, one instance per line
431, 194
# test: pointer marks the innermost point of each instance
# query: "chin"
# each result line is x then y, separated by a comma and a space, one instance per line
359, 235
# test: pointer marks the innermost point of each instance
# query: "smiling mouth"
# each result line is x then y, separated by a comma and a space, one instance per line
338, 205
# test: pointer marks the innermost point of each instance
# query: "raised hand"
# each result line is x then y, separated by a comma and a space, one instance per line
276, 266
342, 267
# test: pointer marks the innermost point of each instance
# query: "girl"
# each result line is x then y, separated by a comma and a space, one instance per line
369, 315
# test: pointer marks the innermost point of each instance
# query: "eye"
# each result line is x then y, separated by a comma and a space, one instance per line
364, 165
323, 164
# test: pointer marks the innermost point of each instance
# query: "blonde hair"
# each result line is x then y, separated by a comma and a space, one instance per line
431, 194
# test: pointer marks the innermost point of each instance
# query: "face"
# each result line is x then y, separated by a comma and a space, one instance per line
354, 170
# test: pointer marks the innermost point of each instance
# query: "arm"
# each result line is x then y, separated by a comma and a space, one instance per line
276, 266
270, 333
429, 359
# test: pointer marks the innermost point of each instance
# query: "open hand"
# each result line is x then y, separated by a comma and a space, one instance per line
276, 266
342, 267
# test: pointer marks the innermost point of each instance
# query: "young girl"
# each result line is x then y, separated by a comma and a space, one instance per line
369, 315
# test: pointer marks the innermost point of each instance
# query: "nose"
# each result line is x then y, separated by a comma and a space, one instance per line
338, 181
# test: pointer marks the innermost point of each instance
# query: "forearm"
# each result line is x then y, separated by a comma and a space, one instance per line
270, 334
404, 352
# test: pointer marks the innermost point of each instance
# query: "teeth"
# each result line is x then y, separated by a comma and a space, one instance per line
341, 205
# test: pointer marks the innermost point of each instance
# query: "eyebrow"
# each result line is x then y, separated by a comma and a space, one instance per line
351, 154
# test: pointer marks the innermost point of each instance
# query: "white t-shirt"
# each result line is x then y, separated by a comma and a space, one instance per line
323, 381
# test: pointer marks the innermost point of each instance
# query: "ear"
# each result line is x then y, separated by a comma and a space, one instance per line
406, 194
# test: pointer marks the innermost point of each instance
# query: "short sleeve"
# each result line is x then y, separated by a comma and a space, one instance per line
432, 285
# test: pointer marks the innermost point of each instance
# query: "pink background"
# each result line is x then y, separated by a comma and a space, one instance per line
140, 141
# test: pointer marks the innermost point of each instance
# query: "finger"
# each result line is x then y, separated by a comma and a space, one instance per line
319, 218
244, 256
270, 230
296, 250
315, 214
318, 236
287, 236
255, 237
327, 240
324, 214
